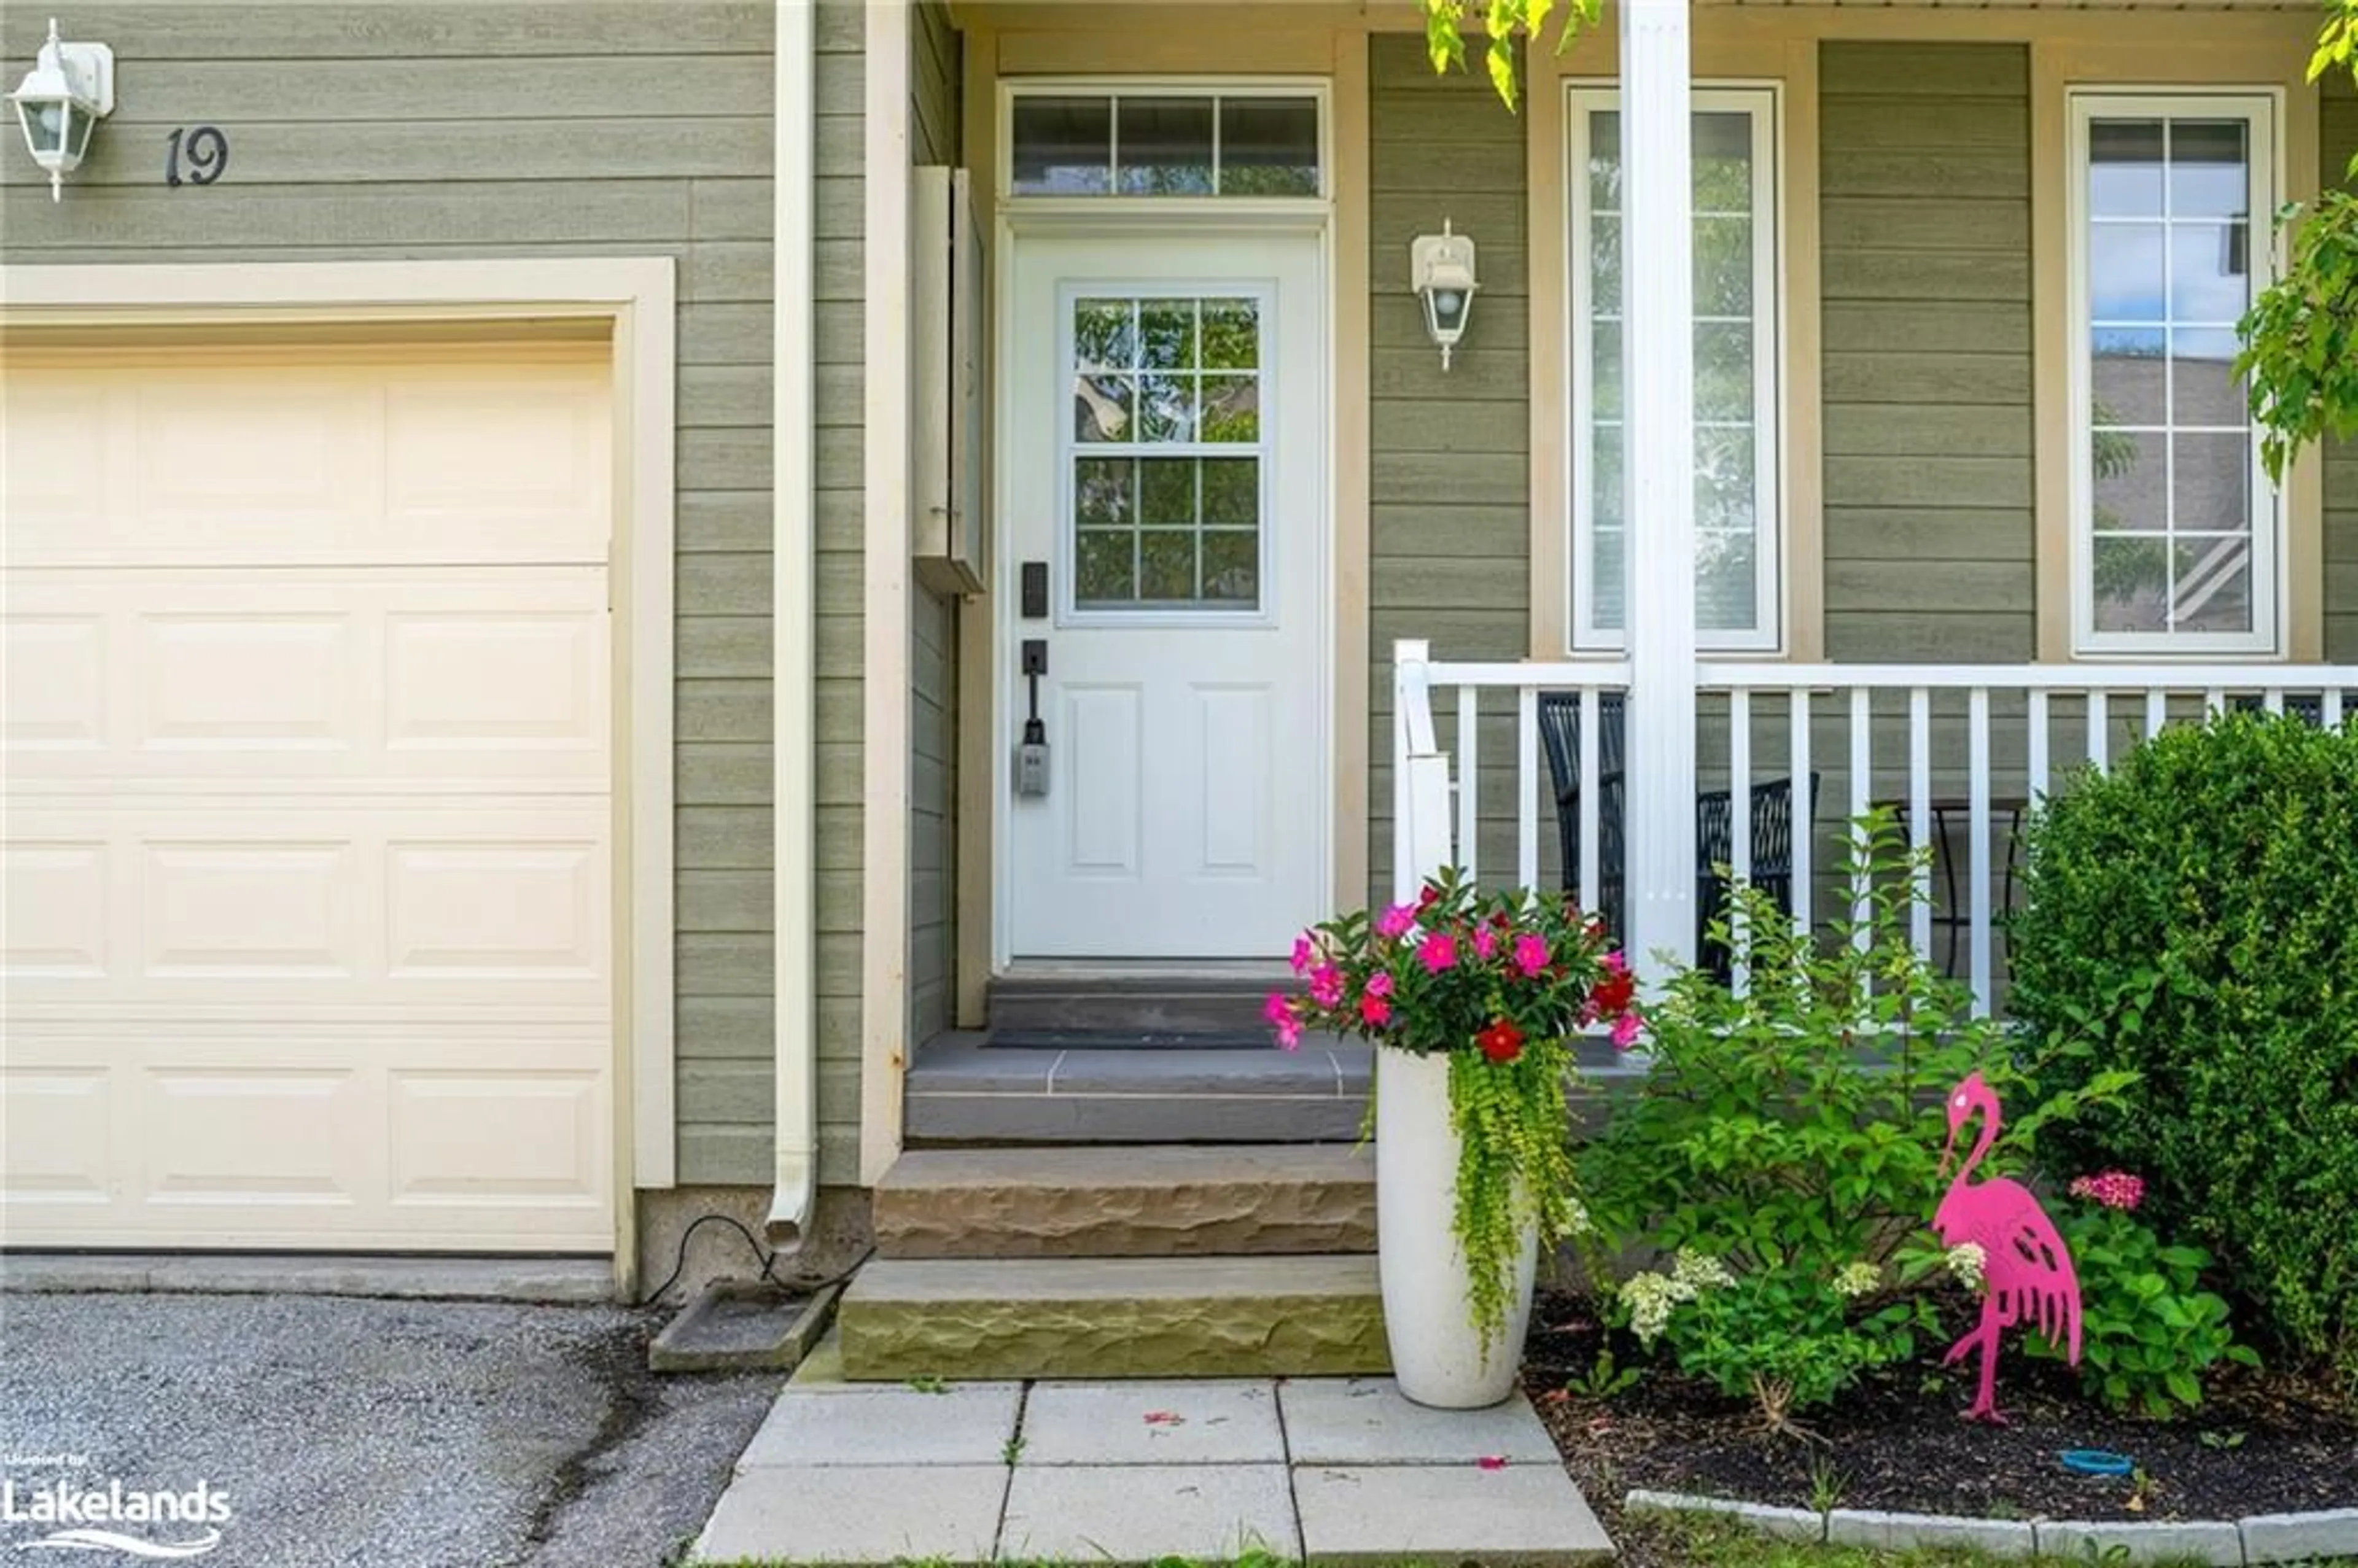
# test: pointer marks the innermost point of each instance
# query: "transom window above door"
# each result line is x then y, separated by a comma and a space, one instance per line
1172, 141
1739, 536
1163, 452
2176, 529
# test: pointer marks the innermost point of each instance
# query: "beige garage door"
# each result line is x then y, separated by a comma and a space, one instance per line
308, 835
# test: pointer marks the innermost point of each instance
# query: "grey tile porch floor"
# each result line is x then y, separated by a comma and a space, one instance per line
1331, 1470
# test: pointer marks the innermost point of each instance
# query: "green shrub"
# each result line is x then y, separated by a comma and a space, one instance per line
2192, 916
1786, 1145
2150, 1331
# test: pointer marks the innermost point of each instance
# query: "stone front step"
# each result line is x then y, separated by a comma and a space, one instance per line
1052, 1000
1113, 1317
1154, 1201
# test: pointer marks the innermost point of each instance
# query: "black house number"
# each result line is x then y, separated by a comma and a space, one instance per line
205, 150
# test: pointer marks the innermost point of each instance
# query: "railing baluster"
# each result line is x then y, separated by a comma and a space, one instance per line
1862, 789
1470, 810
1739, 824
2157, 710
1804, 809
2038, 744
2272, 701
1977, 765
2099, 726
1592, 853
1920, 819
2214, 703
1526, 788
2331, 715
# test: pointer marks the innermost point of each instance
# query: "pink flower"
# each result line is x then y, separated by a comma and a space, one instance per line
1374, 1011
1439, 951
1485, 942
1616, 961
1395, 921
1530, 954
1379, 983
1279, 1011
1624, 1031
1491, 1462
1302, 953
1327, 985
2112, 1189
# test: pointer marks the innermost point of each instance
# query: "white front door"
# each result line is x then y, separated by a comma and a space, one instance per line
1165, 452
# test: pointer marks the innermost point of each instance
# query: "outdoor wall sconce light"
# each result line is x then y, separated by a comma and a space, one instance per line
1441, 270
61, 100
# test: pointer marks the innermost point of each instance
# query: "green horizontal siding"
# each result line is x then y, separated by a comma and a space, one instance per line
1925, 283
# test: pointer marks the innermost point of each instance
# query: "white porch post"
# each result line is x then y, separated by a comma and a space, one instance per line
1658, 304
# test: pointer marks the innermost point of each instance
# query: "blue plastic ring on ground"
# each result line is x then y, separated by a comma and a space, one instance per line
2096, 1461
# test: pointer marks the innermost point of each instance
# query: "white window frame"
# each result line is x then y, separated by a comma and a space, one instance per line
1763, 102
1210, 88
2261, 110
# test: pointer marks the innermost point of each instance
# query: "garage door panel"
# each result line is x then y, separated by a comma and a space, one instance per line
287, 463
477, 1138
307, 869
374, 905
287, 1133
398, 679
59, 1124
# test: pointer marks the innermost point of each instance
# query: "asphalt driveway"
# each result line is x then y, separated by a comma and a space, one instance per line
340, 1430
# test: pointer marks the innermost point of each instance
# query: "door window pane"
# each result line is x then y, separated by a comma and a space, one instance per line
2177, 525
1735, 336
1166, 501
1167, 143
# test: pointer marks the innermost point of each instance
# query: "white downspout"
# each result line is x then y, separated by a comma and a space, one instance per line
1657, 246
793, 539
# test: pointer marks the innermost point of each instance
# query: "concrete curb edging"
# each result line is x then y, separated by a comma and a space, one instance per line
2252, 1541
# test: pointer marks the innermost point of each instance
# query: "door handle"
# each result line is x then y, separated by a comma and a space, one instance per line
1032, 754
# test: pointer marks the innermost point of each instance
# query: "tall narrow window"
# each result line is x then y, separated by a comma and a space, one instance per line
2175, 526
1738, 535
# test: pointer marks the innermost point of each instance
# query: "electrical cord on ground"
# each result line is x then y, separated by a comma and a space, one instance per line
769, 1259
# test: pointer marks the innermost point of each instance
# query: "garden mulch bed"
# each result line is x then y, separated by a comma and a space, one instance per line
2264, 1444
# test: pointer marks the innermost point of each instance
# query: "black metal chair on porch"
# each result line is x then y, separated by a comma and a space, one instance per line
1771, 825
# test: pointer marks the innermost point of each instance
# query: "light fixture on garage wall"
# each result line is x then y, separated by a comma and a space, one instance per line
1441, 270
61, 100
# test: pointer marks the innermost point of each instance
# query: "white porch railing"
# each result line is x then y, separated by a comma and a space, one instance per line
1961, 752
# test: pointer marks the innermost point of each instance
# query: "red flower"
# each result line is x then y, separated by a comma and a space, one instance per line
1428, 898
1612, 994
1502, 1042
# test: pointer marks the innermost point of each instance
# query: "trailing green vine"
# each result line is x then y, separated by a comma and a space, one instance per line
1514, 1168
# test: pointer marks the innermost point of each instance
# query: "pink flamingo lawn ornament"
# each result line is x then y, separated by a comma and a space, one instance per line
2026, 1270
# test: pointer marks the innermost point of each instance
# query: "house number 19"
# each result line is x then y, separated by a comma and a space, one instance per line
206, 151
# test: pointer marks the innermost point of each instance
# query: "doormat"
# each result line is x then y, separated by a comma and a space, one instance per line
1130, 1040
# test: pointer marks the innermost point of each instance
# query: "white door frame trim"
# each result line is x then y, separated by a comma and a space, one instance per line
634, 296
1073, 221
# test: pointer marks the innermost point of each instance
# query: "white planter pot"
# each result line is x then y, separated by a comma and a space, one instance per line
1436, 1352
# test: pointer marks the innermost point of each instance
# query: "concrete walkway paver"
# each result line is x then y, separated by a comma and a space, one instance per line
1225, 1422
971, 1423
1141, 1513
865, 1513
1392, 1513
1342, 1470
1368, 1421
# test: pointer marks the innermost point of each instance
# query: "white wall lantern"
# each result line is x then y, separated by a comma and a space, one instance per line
1441, 270
61, 100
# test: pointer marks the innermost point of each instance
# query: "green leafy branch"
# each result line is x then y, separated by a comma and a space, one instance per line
2299, 359
1445, 22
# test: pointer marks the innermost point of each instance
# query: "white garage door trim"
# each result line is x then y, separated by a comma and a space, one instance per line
634, 299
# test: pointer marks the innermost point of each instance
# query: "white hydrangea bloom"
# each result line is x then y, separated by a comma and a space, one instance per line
1576, 1216
1651, 1299
1965, 1261
1856, 1280
1696, 1272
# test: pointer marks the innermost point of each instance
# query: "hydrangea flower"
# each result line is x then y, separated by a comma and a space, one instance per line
2112, 1189
1966, 1260
1856, 1280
